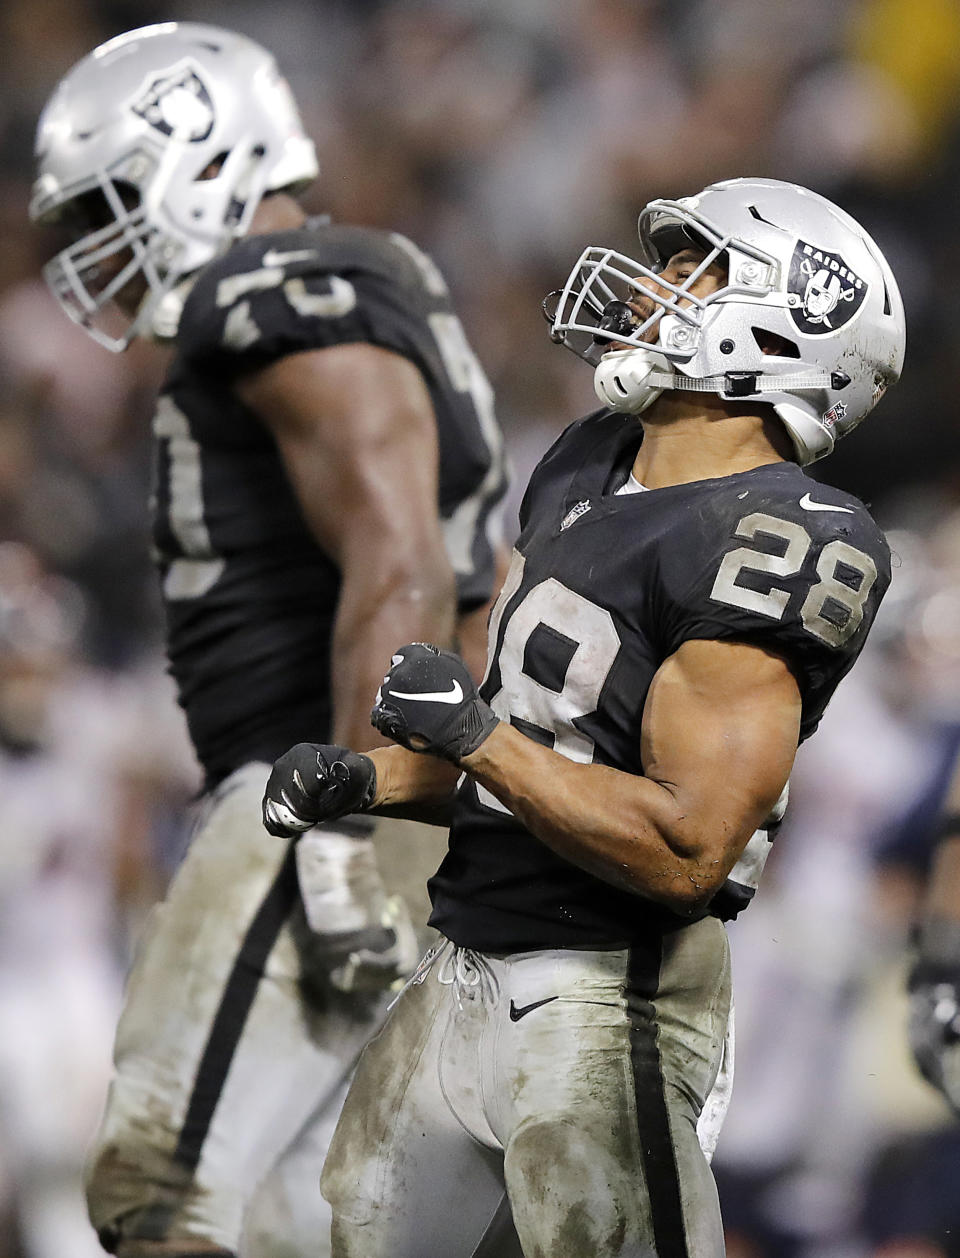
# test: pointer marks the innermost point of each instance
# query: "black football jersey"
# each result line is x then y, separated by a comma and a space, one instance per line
603, 588
249, 595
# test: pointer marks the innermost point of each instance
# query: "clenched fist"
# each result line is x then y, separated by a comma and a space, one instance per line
313, 782
428, 702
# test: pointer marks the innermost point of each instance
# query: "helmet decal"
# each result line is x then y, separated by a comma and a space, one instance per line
177, 101
835, 415
823, 292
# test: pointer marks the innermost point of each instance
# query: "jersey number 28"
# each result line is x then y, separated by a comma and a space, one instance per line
834, 605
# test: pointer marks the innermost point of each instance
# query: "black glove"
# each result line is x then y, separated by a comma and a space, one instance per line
428, 702
934, 1025
313, 782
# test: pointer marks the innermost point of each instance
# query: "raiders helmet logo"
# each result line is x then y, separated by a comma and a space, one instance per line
176, 102
823, 292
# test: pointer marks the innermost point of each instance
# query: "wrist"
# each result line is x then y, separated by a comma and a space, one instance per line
384, 779
367, 767
477, 724
486, 755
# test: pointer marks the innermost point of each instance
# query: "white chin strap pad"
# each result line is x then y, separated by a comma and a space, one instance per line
622, 379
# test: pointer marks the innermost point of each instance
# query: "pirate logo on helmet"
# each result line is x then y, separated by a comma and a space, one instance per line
823, 292
177, 103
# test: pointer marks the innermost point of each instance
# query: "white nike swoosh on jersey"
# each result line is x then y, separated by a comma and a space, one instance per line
809, 505
436, 696
273, 257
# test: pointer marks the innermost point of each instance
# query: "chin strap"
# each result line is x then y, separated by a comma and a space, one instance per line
630, 381
741, 383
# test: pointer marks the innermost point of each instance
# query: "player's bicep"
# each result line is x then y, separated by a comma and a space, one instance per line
355, 427
720, 730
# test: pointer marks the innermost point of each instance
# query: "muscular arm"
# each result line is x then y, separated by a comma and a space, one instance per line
720, 730
355, 428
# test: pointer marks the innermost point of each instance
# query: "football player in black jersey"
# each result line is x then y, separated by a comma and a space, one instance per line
328, 474
683, 601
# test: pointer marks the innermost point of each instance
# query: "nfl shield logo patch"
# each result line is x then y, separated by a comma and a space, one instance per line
177, 102
582, 507
823, 292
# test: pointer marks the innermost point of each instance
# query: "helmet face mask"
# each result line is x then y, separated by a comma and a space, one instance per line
111, 249
176, 132
808, 320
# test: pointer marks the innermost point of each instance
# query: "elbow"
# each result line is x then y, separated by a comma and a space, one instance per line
422, 589
691, 884
686, 895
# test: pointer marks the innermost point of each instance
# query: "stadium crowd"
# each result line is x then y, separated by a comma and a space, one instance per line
492, 132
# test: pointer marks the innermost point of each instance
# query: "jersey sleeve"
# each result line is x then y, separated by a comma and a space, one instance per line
286, 293
805, 584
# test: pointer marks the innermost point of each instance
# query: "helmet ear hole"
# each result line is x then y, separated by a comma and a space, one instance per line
774, 344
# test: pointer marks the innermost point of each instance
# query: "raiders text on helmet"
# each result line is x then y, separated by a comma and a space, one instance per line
802, 276
154, 151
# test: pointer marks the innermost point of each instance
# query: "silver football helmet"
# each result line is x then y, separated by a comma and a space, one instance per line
804, 281
153, 153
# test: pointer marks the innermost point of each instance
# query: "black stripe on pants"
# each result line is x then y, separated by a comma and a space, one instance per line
231, 1015
656, 1146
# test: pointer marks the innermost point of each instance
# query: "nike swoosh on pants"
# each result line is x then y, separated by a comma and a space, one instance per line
516, 1014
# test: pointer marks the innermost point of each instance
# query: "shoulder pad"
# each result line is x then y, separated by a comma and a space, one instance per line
825, 513
285, 292
773, 558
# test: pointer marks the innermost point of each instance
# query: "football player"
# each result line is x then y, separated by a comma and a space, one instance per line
682, 602
328, 470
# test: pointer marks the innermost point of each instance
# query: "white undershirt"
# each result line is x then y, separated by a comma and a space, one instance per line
632, 486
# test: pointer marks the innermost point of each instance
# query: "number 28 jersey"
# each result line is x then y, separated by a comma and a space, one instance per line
603, 588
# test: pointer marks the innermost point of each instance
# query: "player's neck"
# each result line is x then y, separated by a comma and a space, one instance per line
276, 213
684, 443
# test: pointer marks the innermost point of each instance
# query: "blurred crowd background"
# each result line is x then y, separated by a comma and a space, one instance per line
503, 136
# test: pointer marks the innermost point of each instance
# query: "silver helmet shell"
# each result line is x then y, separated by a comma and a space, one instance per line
802, 275
173, 133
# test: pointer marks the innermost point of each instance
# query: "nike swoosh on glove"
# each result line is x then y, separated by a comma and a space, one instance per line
428, 702
314, 782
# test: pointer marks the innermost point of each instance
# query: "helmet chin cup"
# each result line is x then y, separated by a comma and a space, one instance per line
622, 381
811, 438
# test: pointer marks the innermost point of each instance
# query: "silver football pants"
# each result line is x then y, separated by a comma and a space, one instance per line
231, 1062
569, 1083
